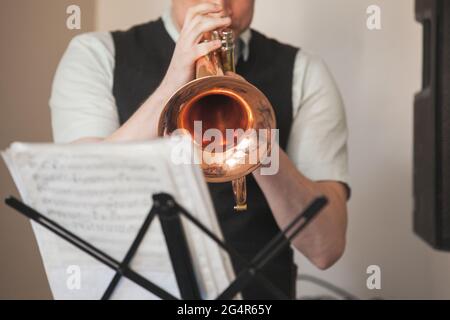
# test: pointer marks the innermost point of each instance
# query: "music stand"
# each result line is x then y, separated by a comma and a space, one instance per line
169, 213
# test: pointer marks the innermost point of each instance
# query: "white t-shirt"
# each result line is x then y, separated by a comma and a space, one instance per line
82, 103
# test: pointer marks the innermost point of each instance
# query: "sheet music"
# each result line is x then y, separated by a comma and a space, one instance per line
102, 193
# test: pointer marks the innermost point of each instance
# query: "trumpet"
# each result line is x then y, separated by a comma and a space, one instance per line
222, 102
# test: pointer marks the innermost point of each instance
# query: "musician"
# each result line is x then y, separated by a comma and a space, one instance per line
113, 86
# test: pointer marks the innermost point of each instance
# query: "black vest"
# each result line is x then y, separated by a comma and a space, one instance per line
143, 54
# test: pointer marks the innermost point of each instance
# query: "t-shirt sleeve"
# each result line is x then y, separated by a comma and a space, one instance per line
82, 104
318, 139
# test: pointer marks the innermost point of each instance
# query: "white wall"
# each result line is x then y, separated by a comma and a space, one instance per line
121, 14
378, 73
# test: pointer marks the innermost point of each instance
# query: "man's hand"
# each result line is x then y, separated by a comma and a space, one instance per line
200, 19
205, 17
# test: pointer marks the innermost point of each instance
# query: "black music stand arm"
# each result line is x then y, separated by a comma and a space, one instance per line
177, 244
267, 253
89, 249
273, 248
130, 254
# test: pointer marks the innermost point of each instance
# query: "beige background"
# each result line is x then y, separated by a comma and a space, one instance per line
378, 73
34, 36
